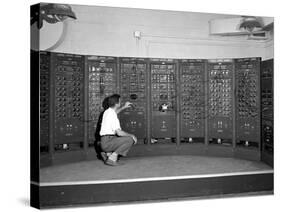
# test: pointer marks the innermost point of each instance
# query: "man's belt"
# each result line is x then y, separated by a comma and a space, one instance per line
108, 135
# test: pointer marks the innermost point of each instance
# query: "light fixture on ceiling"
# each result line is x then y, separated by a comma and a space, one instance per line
52, 13
250, 23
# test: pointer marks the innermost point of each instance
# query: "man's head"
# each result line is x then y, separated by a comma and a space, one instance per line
114, 101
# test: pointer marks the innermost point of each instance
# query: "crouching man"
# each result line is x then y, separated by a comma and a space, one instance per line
114, 141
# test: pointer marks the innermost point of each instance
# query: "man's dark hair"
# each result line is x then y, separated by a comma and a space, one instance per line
105, 103
113, 100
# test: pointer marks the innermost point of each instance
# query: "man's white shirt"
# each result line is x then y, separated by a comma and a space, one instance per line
110, 122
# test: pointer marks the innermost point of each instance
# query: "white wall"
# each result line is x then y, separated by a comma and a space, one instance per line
269, 50
109, 31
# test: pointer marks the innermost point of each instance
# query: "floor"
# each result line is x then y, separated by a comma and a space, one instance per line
148, 167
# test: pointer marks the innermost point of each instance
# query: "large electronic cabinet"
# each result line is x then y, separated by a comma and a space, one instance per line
214, 101
220, 99
267, 111
133, 88
248, 102
101, 83
163, 98
61, 101
192, 100
67, 71
44, 100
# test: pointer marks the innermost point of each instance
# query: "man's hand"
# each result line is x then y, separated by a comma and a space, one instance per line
127, 105
135, 139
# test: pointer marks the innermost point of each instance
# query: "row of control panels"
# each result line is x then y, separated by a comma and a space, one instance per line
170, 98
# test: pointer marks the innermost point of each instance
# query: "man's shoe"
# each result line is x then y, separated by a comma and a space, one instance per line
111, 162
103, 156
